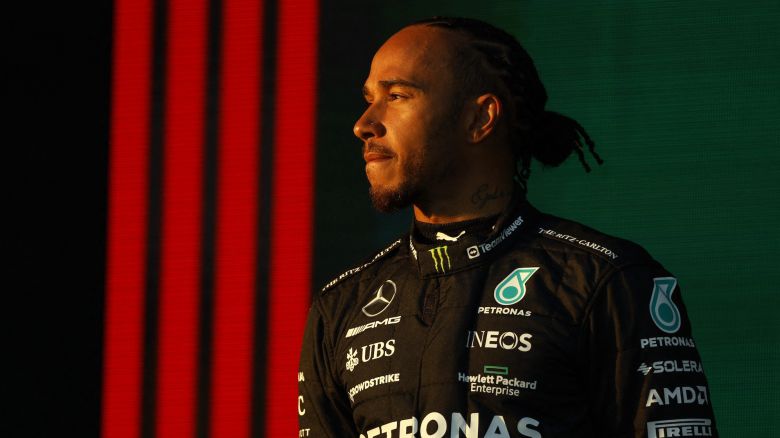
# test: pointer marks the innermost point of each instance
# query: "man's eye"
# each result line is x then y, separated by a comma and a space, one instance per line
395, 96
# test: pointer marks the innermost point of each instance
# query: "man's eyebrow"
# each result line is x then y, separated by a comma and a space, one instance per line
393, 82
402, 82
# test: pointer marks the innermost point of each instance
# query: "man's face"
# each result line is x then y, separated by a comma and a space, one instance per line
410, 128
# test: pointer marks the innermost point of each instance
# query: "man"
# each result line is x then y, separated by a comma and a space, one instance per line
489, 319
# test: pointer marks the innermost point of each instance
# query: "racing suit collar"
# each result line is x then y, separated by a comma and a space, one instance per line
429, 233
439, 258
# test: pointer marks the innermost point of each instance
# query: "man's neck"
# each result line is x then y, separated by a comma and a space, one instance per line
477, 200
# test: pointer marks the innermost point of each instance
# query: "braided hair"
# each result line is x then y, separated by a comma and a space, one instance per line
492, 60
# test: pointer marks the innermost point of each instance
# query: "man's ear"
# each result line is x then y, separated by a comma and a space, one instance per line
483, 119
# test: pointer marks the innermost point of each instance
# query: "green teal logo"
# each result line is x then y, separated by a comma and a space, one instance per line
495, 369
440, 255
512, 288
664, 312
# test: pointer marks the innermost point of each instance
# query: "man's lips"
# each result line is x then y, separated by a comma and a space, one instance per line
376, 152
375, 156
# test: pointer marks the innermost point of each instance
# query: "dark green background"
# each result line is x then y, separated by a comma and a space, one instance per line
682, 101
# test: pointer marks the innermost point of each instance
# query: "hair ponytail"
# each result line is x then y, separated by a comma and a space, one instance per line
555, 137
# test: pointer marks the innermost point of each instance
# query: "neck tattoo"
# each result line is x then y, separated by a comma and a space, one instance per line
485, 194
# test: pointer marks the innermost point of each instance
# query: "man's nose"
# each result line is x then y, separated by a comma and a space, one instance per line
368, 126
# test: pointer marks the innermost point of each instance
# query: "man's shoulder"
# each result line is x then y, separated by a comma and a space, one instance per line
556, 234
339, 302
371, 263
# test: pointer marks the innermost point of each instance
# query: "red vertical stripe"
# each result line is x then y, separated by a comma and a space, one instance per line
127, 219
181, 218
236, 233
291, 217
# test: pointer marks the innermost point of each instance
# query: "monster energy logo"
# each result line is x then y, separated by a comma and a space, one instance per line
439, 255
664, 312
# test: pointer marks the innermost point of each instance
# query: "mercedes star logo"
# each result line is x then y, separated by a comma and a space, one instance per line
382, 299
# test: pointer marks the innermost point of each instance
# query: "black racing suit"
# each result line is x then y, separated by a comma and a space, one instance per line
540, 327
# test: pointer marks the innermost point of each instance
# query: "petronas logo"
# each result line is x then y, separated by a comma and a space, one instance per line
664, 312
441, 258
512, 288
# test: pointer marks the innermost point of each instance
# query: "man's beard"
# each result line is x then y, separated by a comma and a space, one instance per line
390, 199
393, 199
